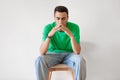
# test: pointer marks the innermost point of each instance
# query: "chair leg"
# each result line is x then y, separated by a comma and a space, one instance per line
72, 74
49, 75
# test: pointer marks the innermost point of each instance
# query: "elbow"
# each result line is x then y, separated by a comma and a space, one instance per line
42, 52
78, 50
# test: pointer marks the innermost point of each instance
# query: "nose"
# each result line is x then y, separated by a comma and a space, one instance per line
60, 21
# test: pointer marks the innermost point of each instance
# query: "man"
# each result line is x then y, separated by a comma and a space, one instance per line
61, 44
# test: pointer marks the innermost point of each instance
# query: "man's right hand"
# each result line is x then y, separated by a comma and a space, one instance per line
52, 32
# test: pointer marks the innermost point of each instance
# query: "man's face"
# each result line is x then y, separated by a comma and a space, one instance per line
61, 18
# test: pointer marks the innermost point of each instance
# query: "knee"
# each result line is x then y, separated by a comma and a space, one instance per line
78, 58
38, 60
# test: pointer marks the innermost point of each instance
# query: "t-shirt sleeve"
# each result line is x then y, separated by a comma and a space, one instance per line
77, 34
45, 32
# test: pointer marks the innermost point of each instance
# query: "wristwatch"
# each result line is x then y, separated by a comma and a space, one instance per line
49, 37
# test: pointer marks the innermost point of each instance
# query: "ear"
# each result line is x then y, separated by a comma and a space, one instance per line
67, 17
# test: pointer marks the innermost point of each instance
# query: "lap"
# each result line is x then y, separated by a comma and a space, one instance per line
53, 59
64, 58
72, 59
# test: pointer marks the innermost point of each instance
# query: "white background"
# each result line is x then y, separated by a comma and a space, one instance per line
21, 24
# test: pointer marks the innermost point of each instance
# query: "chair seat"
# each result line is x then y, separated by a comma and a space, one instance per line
60, 67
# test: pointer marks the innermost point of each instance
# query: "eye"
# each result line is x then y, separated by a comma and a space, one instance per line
58, 18
63, 18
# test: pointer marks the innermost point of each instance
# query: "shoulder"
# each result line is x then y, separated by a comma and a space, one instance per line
49, 26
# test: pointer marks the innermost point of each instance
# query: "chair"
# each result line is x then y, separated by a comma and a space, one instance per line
59, 67
64, 67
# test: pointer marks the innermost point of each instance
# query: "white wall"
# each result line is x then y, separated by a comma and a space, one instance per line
21, 23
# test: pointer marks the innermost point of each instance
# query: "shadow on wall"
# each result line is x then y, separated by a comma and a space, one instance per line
87, 47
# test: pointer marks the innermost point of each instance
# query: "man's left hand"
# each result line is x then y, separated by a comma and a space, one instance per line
66, 30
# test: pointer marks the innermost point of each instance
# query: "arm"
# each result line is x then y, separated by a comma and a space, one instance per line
75, 46
45, 44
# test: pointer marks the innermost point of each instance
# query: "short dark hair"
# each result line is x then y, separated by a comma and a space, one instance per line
61, 9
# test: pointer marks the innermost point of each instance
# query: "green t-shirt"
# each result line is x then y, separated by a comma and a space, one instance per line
60, 41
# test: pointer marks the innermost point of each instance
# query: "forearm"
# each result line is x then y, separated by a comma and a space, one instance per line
44, 46
76, 47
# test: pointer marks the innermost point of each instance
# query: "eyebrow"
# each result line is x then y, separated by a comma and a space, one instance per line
59, 17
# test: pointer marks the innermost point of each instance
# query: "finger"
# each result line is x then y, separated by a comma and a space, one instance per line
62, 28
59, 26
